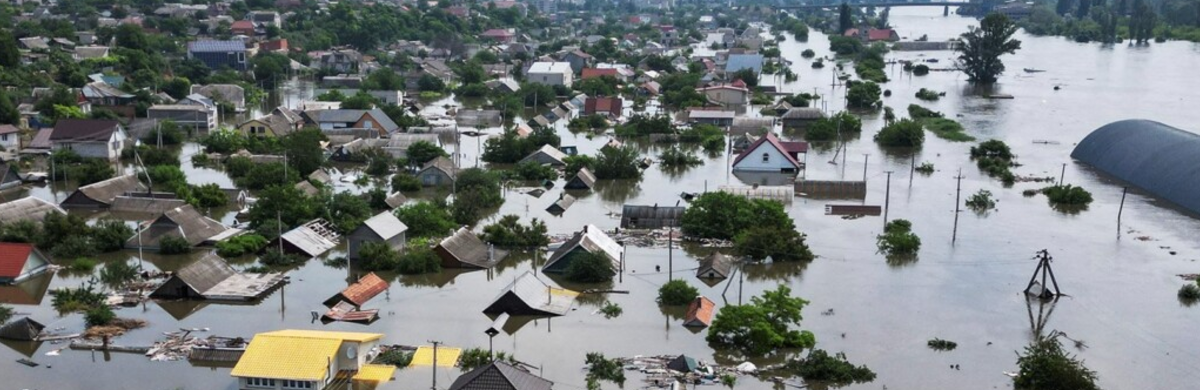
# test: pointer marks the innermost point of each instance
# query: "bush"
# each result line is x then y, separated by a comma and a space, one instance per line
1046, 366
926, 168
673, 157
172, 245
109, 235
418, 259
1189, 293
403, 182
378, 256
274, 258
898, 239
509, 233
99, 316
901, 133
611, 310
5, 313
600, 367
75, 247
395, 357
531, 171
425, 219
677, 293
781, 245
77, 299
942, 345
819, 366
928, 95
421, 152
981, 201
1068, 195
590, 268
241, 245
863, 95
947, 129
473, 358
920, 70
763, 326
992, 149
918, 112
617, 163
808, 53
82, 264
723, 216
826, 129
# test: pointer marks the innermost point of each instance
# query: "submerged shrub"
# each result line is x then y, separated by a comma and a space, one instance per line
676, 293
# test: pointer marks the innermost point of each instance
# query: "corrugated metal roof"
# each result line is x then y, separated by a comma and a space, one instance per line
386, 225
13, 257
536, 294
212, 46
1155, 157
584, 179
467, 248
557, 156
717, 262
29, 208
446, 356
313, 238
205, 273
107, 191
284, 356
500, 376
362, 290
375, 373
593, 240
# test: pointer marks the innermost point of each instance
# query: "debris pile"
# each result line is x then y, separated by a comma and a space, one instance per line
179, 345
664, 370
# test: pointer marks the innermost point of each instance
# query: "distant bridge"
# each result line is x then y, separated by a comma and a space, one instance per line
877, 4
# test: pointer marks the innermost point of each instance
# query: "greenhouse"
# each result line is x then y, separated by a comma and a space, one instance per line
1160, 159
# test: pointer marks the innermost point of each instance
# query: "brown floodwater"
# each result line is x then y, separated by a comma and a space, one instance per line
1121, 282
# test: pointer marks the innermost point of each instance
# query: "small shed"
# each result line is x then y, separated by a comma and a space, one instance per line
308, 188
683, 363
360, 292
211, 278
583, 180
20, 261
650, 217
546, 155
310, 239
499, 375
100, 195
395, 200
700, 313
590, 240
561, 205
465, 250
183, 222
24, 329
438, 172
529, 296
383, 227
715, 266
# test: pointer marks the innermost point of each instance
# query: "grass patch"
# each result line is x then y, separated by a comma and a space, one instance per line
942, 345
611, 310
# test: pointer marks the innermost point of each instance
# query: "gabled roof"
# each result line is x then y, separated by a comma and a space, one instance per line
107, 191
84, 130
209, 46
13, 257
468, 249
549, 151
584, 179
593, 240
768, 140
803, 113
700, 313
396, 199
443, 164
385, 225
500, 376
595, 72
738, 62
294, 354
361, 291
536, 296
550, 67
29, 208
205, 273
313, 237
189, 225
718, 262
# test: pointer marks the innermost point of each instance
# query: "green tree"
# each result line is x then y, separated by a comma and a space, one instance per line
346, 211
289, 204
421, 152
10, 55
723, 216
845, 19
1046, 366
384, 79
588, 267
426, 219
9, 115
304, 151
762, 327
863, 94
779, 244
677, 292
378, 256
430, 83
617, 163
747, 76
827, 129
1142, 21
902, 133
271, 68
898, 239
509, 233
981, 48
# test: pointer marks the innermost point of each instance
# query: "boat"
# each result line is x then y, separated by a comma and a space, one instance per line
1032, 70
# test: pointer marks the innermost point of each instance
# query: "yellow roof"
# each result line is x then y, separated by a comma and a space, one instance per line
294, 354
446, 357
321, 334
375, 372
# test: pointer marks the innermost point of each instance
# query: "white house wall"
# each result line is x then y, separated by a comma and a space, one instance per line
776, 160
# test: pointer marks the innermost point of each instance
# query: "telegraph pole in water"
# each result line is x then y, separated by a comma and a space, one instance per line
435, 347
957, 204
887, 198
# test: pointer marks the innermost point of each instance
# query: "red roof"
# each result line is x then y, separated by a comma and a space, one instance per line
739, 83
594, 72
795, 146
880, 34
700, 312
242, 25
362, 291
772, 140
850, 33
497, 33
12, 258
275, 45
611, 105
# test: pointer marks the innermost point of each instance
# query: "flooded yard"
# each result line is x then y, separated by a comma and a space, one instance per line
1120, 281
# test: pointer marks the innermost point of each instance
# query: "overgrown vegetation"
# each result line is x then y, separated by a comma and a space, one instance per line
942, 345
864, 94
994, 158
472, 358
677, 292
509, 233
673, 157
1067, 195
898, 239
929, 95
241, 245
77, 299
1044, 365
173, 245
936, 122
426, 219
588, 267
762, 327
611, 310
777, 243
832, 370
1189, 293
926, 168
601, 368
901, 133
723, 216
395, 357
981, 201
827, 129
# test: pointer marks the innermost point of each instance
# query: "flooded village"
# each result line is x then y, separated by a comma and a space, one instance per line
541, 194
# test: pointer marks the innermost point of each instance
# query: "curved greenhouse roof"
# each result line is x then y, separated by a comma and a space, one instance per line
1160, 159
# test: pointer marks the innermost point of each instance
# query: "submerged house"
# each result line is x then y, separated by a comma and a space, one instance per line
583, 180
89, 137
464, 249
529, 296
383, 227
591, 240
20, 261
499, 375
101, 194
438, 172
29, 208
309, 359
700, 313
360, 292
715, 266
211, 278
769, 154
182, 222
310, 239
546, 155
561, 205
1152, 156
650, 217
24, 329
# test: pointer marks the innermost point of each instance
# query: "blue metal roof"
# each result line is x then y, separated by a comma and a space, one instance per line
1157, 158
744, 61
216, 46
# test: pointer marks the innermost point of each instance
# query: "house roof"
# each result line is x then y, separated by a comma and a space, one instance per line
700, 313
876, 34
84, 130
586, 177
396, 199
497, 33
595, 72
771, 140
444, 164
465, 247
313, 237
107, 191
13, 257
593, 240
8, 129
803, 113
192, 226
29, 208
550, 67
294, 354
738, 62
603, 104
100, 89
500, 376
242, 24
650, 216
205, 273
363, 290
231, 93
716, 261
711, 114
211, 46
385, 224
536, 294
549, 151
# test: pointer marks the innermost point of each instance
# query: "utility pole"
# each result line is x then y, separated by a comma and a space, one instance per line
1043, 267
866, 160
1121, 210
887, 198
957, 204
435, 347
912, 169
1062, 175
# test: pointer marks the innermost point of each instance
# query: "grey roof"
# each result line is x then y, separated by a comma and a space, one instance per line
100, 89
536, 294
26, 329
404, 140
313, 237
549, 152
738, 62
593, 240
500, 376
561, 205
711, 114
321, 176
231, 93
803, 113
107, 191
208, 46
385, 225
395, 200
86, 52
467, 248
29, 208
1160, 159
184, 222
307, 188
444, 164
84, 130
650, 216
351, 116
214, 279
474, 118
584, 179
205, 273
717, 262
144, 204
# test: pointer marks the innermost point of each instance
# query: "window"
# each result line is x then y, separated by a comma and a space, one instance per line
3, 137
289, 384
766, 157
260, 382
367, 124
